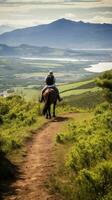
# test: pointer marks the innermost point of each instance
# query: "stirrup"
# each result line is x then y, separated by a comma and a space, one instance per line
60, 99
41, 100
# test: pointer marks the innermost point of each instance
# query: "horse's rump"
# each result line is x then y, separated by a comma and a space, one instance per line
50, 96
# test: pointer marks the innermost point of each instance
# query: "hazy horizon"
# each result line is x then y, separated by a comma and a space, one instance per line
26, 13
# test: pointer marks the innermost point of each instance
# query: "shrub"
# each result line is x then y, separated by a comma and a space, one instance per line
95, 183
16, 115
88, 167
105, 81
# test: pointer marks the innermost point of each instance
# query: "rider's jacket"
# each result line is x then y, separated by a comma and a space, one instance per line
50, 80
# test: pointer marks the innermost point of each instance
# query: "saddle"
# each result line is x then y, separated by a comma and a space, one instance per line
46, 91
51, 89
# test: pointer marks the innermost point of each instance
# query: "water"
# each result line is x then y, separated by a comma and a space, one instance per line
100, 67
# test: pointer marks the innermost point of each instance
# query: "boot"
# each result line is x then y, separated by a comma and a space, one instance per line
59, 98
42, 99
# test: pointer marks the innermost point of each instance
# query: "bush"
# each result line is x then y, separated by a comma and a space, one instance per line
105, 81
87, 169
94, 184
16, 115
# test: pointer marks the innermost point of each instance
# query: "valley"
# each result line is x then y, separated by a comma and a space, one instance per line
51, 148
18, 73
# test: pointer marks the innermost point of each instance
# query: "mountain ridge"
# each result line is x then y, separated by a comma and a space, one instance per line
62, 33
28, 51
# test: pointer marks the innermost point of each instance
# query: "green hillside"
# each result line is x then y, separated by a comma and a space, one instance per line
16, 113
85, 171
87, 100
66, 90
78, 88
17, 119
84, 149
71, 86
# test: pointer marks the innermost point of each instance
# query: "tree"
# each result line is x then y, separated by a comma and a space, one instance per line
105, 82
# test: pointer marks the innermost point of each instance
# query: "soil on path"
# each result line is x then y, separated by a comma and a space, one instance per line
38, 164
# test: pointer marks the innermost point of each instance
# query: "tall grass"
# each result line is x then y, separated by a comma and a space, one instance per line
87, 169
16, 118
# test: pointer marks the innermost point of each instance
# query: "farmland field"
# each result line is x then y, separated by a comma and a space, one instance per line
15, 72
29, 72
66, 90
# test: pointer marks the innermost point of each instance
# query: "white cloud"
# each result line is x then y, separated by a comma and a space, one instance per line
46, 1
94, 19
33, 12
32, 1
74, 1
101, 19
60, 3
70, 15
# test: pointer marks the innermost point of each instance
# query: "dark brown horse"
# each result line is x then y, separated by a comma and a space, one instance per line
50, 97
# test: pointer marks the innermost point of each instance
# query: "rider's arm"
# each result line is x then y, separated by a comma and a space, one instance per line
54, 80
45, 79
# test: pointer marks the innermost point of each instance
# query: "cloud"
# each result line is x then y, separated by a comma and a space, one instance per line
47, 1
101, 19
70, 15
24, 13
95, 19
58, 4
31, 1
78, 1
63, 2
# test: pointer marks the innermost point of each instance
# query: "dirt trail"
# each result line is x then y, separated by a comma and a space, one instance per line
38, 164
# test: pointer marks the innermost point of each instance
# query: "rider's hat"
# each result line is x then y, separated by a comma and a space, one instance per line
50, 72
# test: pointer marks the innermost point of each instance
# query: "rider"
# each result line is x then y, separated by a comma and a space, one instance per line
50, 83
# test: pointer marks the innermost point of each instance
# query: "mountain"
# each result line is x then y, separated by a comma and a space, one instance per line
33, 51
47, 52
5, 28
62, 33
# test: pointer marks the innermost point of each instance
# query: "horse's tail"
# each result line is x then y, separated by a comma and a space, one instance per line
47, 104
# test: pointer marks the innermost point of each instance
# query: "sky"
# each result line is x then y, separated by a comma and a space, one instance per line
25, 13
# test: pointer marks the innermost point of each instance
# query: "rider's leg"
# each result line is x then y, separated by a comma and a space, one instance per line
43, 90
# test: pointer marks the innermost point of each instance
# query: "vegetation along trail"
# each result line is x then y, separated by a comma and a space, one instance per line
38, 164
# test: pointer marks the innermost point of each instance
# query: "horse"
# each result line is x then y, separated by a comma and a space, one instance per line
50, 97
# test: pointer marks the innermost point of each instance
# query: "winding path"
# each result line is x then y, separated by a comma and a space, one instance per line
38, 164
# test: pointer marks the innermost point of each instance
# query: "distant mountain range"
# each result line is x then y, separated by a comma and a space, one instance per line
5, 28
28, 51
33, 51
62, 33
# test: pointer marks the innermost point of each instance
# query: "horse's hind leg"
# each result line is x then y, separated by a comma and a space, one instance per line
47, 114
49, 111
54, 107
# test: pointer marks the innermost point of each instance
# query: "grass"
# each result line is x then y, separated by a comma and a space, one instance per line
81, 95
17, 118
19, 115
62, 147
66, 90
79, 91
18, 121
29, 94
87, 100
84, 161
72, 86
78, 88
